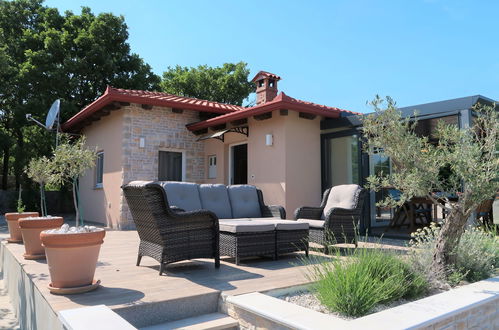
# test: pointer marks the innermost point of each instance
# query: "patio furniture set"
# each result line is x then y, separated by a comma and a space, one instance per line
179, 221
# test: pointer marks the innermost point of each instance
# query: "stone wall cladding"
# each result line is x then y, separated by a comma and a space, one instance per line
162, 129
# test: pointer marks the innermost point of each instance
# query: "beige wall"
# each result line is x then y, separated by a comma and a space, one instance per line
288, 172
103, 204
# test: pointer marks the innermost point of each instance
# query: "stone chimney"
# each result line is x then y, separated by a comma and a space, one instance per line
266, 86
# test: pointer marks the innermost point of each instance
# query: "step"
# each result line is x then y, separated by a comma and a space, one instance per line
213, 321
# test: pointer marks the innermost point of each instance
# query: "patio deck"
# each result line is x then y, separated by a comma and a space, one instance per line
139, 294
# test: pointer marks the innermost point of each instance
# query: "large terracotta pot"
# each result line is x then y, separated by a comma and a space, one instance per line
31, 229
72, 258
14, 229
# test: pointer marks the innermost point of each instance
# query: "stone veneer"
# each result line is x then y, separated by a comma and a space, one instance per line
162, 129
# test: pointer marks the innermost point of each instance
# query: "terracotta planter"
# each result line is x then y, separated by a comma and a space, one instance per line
31, 229
72, 258
14, 229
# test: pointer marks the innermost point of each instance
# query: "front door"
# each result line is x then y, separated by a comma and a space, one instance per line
239, 164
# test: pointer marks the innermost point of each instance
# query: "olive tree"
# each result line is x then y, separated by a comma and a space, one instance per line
70, 160
468, 156
40, 171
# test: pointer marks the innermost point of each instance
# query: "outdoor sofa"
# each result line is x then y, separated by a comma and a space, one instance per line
338, 217
243, 224
248, 227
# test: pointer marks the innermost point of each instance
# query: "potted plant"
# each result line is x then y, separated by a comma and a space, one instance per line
13, 220
72, 253
40, 171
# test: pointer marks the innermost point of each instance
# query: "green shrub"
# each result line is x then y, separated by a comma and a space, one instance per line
369, 277
476, 256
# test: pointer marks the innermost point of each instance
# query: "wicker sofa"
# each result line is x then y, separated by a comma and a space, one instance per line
166, 234
248, 227
337, 219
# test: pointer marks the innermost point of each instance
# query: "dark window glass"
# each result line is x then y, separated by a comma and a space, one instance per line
170, 166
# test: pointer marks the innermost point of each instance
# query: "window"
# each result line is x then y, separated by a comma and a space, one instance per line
99, 169
212, 167
170, 166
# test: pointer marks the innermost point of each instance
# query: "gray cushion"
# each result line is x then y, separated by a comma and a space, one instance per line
184, 195
280, 224
214, 197
316, 224
244, 201
235, 219
244, 226
343, 196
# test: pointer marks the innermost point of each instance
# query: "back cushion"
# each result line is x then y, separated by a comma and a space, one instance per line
343, 196
182, 194
244, 201
214, 197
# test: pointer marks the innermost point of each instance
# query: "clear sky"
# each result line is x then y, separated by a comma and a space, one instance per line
337, 53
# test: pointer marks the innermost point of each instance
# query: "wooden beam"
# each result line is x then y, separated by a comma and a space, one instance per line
146, 106
305, 115
200, 131
219, 127
177, 110
283, 112
263, 116
239, 122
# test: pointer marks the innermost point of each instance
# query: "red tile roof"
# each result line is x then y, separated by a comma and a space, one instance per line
150, 98
281, 101
265, 74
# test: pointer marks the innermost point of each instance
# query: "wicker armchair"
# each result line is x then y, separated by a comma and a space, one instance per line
170, 235
330, 224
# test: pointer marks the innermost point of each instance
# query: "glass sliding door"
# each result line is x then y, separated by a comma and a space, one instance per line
341, 160
380, 165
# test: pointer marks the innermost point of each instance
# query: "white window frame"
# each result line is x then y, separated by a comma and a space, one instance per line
99, 166
184, 162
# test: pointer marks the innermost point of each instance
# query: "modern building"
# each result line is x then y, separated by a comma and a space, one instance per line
289, 148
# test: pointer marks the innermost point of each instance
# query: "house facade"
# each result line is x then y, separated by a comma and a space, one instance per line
291, 149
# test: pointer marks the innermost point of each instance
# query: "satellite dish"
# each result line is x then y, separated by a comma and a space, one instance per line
53, 114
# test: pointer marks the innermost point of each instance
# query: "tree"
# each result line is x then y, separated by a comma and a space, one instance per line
40, 171
46, 56
226, 84
467, 154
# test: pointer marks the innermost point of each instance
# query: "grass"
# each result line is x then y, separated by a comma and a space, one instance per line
366, 279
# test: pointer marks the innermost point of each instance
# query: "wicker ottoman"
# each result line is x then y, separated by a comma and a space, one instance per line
245, 238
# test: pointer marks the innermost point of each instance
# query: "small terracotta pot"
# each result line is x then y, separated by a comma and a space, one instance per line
72, 258
14, 229
31, 229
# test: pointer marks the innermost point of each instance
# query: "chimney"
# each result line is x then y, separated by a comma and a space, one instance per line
266, 86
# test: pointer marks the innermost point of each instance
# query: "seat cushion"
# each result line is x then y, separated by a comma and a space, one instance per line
244, 201
184, 195
316, 224
214, 197
280, 224
244, 226
343, 196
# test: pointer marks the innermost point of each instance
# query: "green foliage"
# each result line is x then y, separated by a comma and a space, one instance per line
20, 205
72, 159
461, 162
45, 55
476, 255
40, 171
226, 84
369, 277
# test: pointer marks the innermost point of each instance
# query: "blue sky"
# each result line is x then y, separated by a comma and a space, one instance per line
337, 53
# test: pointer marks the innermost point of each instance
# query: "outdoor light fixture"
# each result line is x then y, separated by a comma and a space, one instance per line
269, 140
142, 142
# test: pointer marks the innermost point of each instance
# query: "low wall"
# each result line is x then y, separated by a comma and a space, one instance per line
475, 306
